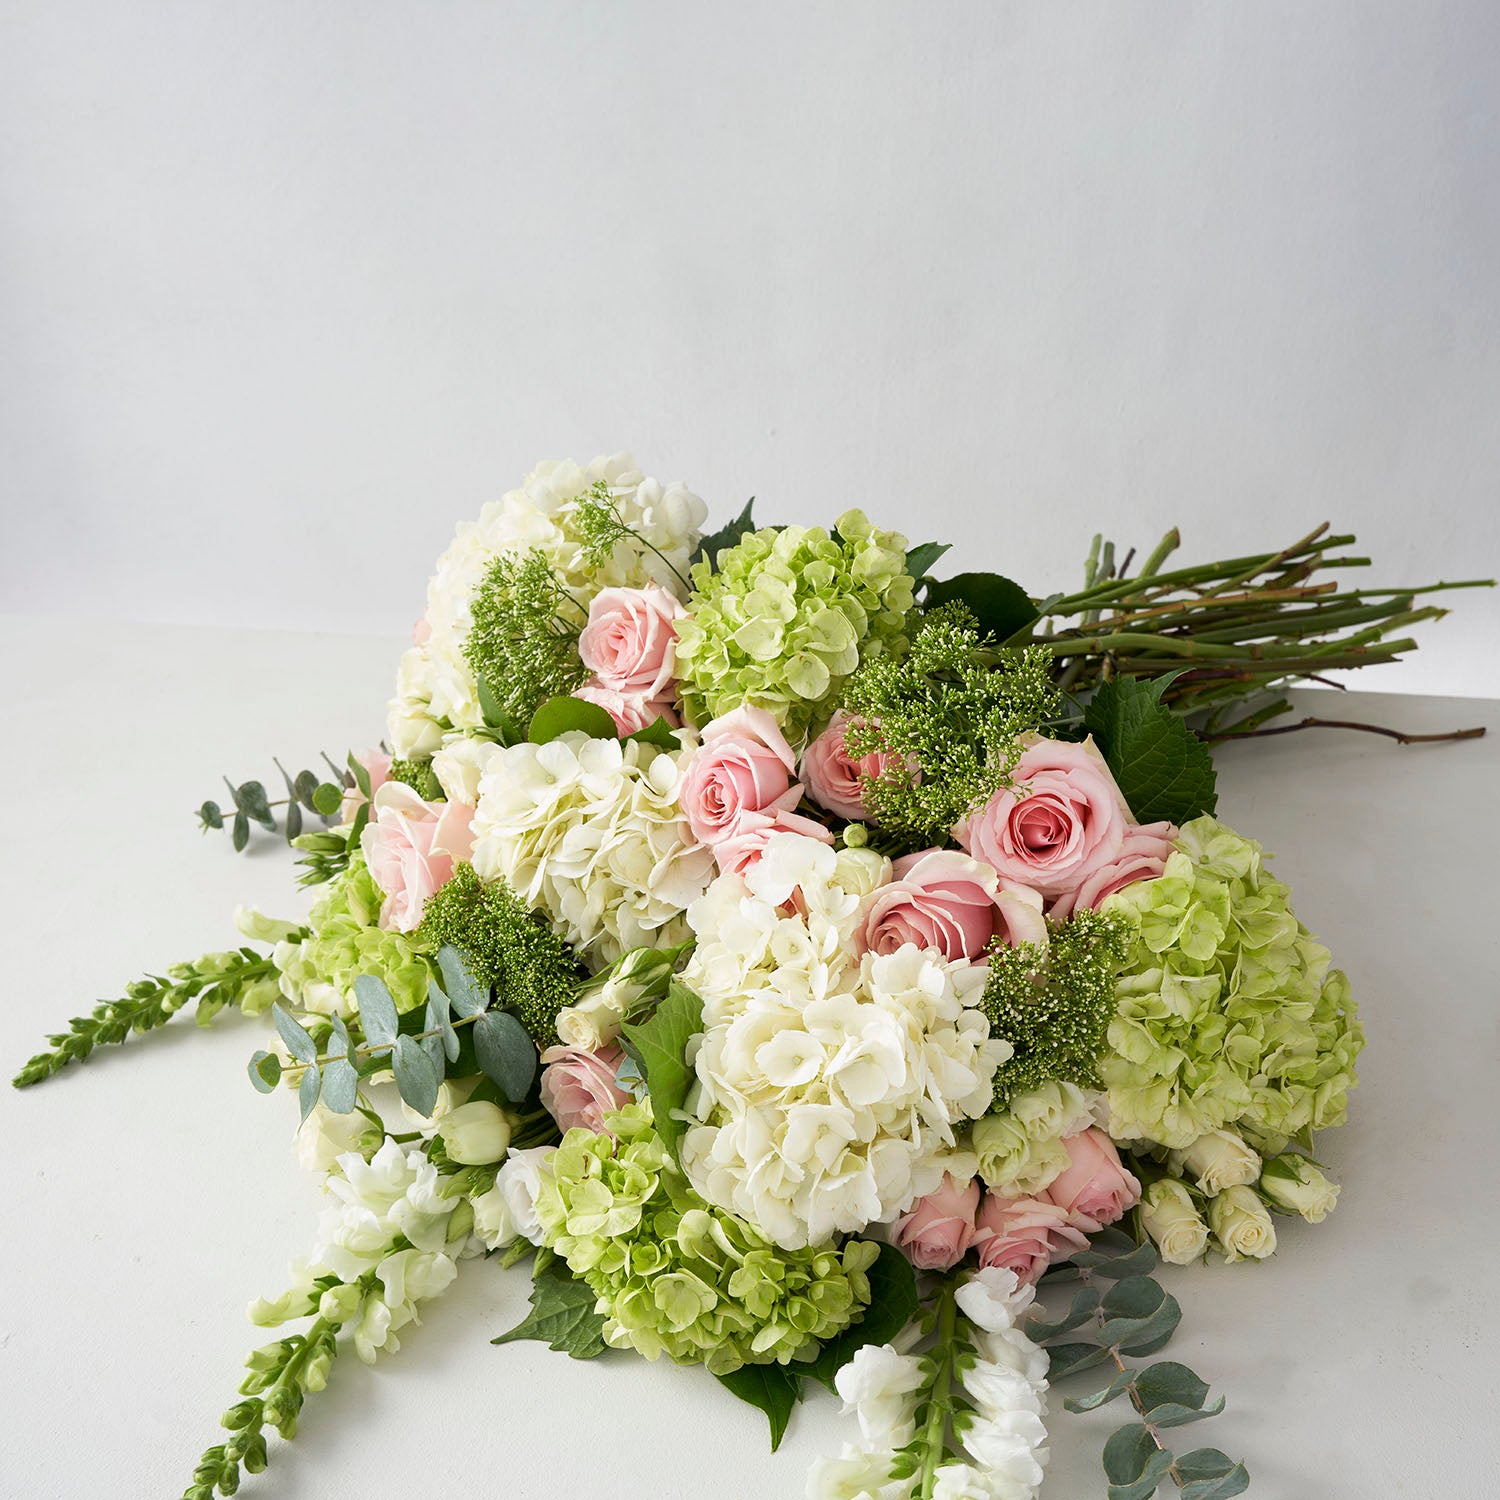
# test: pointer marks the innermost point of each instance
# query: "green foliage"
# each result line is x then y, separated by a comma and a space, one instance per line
507, 948
1053, 1003
506, 1053
658, 1045
1163, 769
789, 614
523, 646
1003, 609
772, 1389
252, 805
419, 776
562, 1314
949, 721
727, 536
920, 559
1132, 1318
894, 1302
216, 981
559, 716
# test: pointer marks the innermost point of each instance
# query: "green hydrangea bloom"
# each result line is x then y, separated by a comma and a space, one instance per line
677, 1277
789, 614
1228, 1014
346, 941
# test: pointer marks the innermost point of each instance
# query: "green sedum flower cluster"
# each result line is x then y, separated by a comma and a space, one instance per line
677, 1277
789, 614
1228, 1013
346, 941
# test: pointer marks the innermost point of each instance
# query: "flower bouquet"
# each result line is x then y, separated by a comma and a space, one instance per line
799, 960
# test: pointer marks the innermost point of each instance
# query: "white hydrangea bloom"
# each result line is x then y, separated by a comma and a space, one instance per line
829, 1085
435, 690
590, 833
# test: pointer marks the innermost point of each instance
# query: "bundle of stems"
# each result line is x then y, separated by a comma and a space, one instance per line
1237, 632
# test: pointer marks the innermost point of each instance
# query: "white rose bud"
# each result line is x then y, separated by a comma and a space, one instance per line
1293, 1183
594, 1022
475, 1134
860, 871
1171, 1218
1241, 1225
1218, 1160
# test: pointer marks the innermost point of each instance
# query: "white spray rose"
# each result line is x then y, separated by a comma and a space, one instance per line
1171, 1218
1293, 1183
1241, 1225
1219, 1160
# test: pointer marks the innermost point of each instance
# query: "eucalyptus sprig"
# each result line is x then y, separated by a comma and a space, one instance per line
240, 977
304, 791
1131, 1317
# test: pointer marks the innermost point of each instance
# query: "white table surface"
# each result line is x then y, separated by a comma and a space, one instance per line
150, 1194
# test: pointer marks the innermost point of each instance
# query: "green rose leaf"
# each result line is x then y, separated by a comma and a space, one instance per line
772, 1389
506, 1053
1133, 1464
920, 559
1208, 1474
658, 1045
298, 1042
894, 1302
340, 1086
1139, 1316
1003, 609
658, 732
265, 1071
377, 1010
726, 536
417, 1076
561, 714
1163, 769
562, 1315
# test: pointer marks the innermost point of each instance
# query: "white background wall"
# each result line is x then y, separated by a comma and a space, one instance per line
286, 288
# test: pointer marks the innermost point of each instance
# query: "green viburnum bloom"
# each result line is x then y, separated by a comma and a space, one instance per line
789, 614
678, 1277
346, 941
1228, 1013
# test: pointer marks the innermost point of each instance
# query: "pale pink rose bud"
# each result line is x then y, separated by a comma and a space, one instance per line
630, 712
949, 902
1024, 1235
1062, 820
578, 1087
399, 844
835, 779
936, 1232
743, 765
630, 641
1143, 856
1095, 1188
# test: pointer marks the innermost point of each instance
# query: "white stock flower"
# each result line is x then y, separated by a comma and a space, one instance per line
371, 1203
857, 1475
829, 1085
590, 833
323, 1137
994, 1298
435, 688
881, 1388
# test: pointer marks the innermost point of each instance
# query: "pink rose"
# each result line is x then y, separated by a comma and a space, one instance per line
1094, 1189
1063, 819
948, 901
377, 766
743, 848
630, 711
1143, 856
578, 1087
402, 847
744, 765
630, 641
1025, 1235
835, 779
936, 1232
